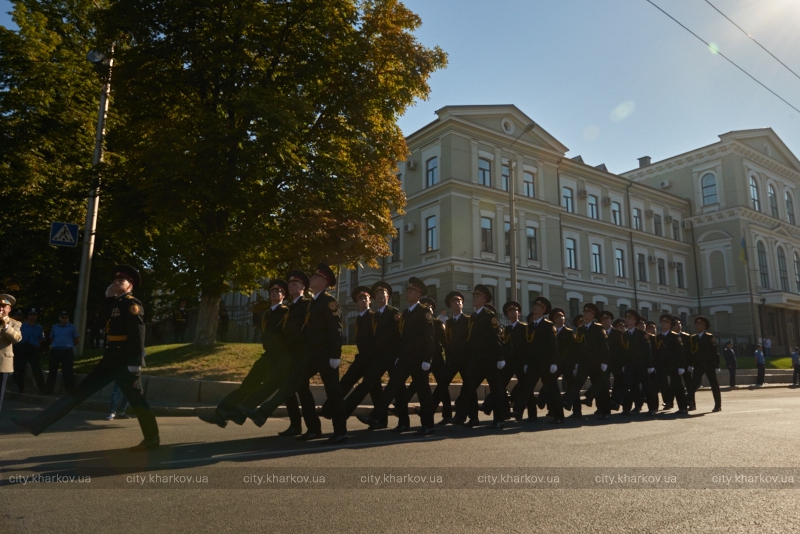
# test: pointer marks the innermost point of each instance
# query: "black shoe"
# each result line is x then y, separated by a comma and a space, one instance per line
486, 409
457, 421
625, 412
683, 411
424, 431
636, 409
615, 405
474, 421
567, 405
338, 438
717, 409
445, 421
692, 407
541, 403
371, 422
496, 425
650, 413
667, 406
586, 402
27, 425
232, 415
516, 415
147, 444
401, 428
291, 431
533, 419
576, 416
603, 416
309, 435
556, 421
254, 415
323, 413
214, 418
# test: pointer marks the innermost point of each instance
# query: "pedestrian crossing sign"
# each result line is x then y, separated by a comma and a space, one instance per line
64, 234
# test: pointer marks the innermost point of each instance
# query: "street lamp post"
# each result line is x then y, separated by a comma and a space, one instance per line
93, 203
512, 238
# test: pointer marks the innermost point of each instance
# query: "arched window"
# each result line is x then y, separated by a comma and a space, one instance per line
783, 272
709, 185
790, 208
762, 265
754, 194
773, 201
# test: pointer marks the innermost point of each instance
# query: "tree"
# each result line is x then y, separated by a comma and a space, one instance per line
257, 135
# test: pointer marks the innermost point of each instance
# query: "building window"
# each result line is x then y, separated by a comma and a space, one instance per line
532, 295
573, 309
572, 254
396, 246
797, 272
641, 264
637, 219
657, 225
486, 234
566, 199
616, 213
619, 263
527, 179
790, 208
762, 265
485, 172
504, 177
597, 259
783, 271
430, 233
354, 277
507, 232
530, 234
432, 172
773, 202
646, 313
662, 271
676, 230
594, 212
679, 276
623, 309
754, 194
709, 184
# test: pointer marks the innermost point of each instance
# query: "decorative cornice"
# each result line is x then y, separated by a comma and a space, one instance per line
746, 214
765, 161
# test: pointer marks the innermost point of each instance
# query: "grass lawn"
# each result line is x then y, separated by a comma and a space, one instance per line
744, 362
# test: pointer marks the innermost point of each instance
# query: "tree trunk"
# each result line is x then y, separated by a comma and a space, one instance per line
207, 320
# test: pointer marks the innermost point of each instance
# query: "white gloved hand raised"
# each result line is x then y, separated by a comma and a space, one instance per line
426, 366
501, 364
650, 370
681, 370
334, 363
553, 368
603, 367
134, 368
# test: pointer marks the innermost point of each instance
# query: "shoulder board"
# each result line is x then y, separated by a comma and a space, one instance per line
546, 320
428, 315
128, 296
490, 313
523, 324
495, 323
465, 315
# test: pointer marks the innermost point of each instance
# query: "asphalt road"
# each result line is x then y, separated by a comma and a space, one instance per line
733, 471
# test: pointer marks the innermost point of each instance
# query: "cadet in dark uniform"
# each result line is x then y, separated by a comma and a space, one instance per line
637, 358
615, 359
567, 362
670, 363
455, 348
514, 345
484, 359
122, 362
386, 338
437, 362
414, 355
688, 379
591, 344
705, 356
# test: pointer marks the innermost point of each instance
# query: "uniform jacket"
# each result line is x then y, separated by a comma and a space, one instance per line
417, 341
387, 332
515, 343
566, 349
543, 345
365, 335
438, 338
455, 345
125, 330
591, 345
8, 337
704, 350
636, 350
668, 354
323, 329
615, 352
483, 336
730, 358
272, 325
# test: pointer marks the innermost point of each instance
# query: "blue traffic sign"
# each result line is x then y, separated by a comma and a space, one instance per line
64, 234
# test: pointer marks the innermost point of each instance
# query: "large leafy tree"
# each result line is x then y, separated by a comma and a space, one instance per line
257, 135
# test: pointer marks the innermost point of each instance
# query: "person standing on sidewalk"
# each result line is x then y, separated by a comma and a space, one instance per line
122, 362
27, 352
796, 366
761, 364
9, 334
63, 338
767, 347
730, 362
705, 356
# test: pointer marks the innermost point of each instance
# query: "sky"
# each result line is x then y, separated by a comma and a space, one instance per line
615, 80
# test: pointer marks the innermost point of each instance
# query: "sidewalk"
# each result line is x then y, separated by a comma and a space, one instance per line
183, 397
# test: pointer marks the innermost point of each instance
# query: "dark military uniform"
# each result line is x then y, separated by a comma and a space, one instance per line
637, 358
124, 348
591, 347
541, 355
567, 363
668, 357
455, 349
615, 365
515, 348
705, 357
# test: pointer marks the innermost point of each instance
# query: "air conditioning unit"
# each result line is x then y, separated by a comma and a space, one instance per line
663, 184
409, 228
673, 264
606, 201
582, 193
411, 165
686, 225
648, 213
668, 219
651, 259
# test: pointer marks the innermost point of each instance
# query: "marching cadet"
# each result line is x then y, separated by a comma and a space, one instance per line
541, 362
567, 362
688, 378
415, 352
615, 359
437, 362
637, 359
670, 363
455, 348
122, 362
386, 335
514, 345
592, 347
705, 357
484, 359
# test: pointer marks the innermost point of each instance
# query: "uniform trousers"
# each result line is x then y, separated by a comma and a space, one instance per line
65, 359
478, 370
636, 377
599, 386
396, 389
452, 366
549, 392
712, 381
26, 354
357, 371
671, 386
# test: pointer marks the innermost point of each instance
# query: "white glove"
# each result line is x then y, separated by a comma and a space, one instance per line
716, 370
134, 368
681, 370
650, 370
553, 368
334, 362
426, 366
524, 368
691, 368
501, 364
603, 367
109, 292
575, 371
